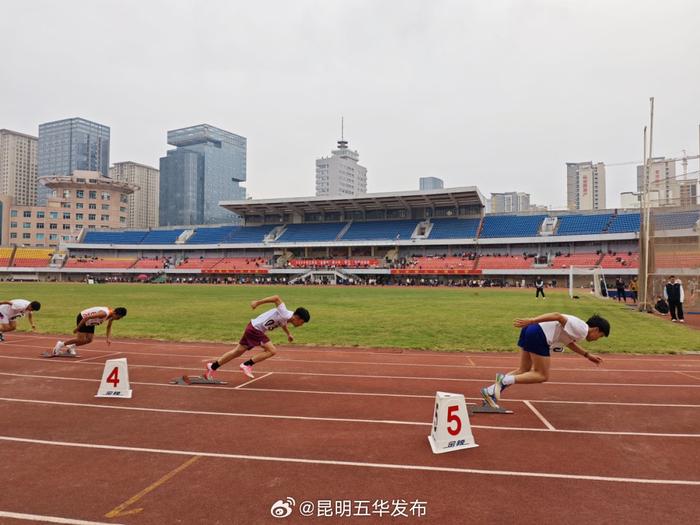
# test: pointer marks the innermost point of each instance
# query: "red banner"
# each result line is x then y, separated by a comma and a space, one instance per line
329, 263
237, 270
435, 272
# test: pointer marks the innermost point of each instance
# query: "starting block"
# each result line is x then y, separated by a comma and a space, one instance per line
65, 353
485, 408
195, 380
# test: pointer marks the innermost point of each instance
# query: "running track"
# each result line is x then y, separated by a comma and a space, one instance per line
620, 443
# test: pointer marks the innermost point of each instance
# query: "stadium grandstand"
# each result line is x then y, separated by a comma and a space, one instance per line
441, 235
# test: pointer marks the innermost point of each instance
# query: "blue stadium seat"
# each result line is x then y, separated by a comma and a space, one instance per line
114, 237
511, 225
676, 221
454, 228
380, 230
582, 224
229, 234
625, 223
249, 234
162, 236
311, 232
213, 235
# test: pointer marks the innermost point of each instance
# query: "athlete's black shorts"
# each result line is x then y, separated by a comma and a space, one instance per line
85, 329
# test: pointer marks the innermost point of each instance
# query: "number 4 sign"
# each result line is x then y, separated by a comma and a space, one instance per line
451, 429
115, 379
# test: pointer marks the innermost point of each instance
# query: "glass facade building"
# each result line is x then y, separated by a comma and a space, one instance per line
69, 145
181, 188
190, 191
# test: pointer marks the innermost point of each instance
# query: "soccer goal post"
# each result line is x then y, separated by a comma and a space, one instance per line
591, 278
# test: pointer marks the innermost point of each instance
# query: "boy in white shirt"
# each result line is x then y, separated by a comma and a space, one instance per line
255, 335
14, 310
86, 321
538, 336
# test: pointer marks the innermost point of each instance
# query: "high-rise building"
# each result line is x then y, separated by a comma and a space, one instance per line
585, 185
143, 203
430, 183
18, 171
84, 200
340, 174
206, 167
688, 190
69, 145
512, 201
664, 187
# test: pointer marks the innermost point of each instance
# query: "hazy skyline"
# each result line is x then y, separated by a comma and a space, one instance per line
499, 95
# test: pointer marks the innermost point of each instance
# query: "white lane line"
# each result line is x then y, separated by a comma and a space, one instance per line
380, 363
98, 356
307, 461
539, 416
336, 419
374, 376
211, 413
400, 352
50, 519
688, 375
252, 381
330, 392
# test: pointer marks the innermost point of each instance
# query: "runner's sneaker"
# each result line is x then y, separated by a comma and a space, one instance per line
2, 337
57, 349
488, 398
210, 373
247, 370
499, 385
71, 350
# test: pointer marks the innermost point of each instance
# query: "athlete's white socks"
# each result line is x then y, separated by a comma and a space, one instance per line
508, 379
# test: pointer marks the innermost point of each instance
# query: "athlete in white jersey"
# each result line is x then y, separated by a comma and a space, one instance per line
12, 311
86, 322
273, 318
255, 334
538, 336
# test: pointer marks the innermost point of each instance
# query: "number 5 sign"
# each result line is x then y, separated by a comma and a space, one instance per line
115, 379
451, 429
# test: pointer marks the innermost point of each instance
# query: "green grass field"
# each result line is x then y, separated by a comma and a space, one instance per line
437, 319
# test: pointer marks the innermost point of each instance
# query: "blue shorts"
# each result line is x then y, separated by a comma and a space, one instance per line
533, 340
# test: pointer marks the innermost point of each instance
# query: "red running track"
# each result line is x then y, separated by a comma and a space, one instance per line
342, 427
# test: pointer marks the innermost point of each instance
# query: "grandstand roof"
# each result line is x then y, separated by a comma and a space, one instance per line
463, 196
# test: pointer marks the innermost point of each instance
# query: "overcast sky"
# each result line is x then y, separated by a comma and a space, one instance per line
498, 94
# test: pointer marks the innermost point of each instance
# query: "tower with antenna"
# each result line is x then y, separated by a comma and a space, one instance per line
342, 143
341, 174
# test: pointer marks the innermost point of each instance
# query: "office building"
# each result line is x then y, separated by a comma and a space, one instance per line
430, 183
341, 174
206, 167
18, 168
585, 186
144, 202
69, 145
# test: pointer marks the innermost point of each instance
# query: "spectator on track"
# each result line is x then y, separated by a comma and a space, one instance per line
12, 311
620, 286
673, 293
539, 285
255, 335
661, 306
634, 287
539, 335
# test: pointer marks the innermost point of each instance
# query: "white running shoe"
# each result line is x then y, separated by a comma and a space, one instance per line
71, 350
57, 349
